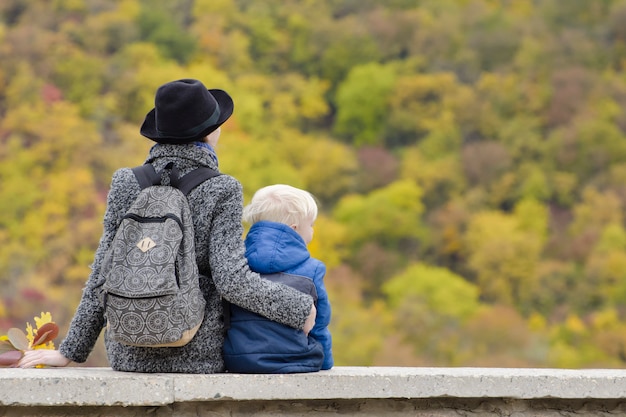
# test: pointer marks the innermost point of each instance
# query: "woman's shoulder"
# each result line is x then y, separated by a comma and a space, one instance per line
222, 183
123, 176
219, 190
228, 179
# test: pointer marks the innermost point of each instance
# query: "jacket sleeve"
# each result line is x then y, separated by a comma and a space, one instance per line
320, 331
232, 275
88, 320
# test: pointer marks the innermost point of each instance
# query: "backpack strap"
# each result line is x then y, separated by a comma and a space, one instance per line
147, 176
191, 180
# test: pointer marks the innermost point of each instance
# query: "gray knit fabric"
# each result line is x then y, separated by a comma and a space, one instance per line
216, 207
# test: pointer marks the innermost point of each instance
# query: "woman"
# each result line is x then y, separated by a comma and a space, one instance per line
185, 123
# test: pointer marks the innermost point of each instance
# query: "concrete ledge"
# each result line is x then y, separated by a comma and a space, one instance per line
101, 387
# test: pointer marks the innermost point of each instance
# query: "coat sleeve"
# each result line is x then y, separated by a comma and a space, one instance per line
320, 331
88, 320
232, 275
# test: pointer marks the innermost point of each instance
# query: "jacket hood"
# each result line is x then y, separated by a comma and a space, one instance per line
274, 247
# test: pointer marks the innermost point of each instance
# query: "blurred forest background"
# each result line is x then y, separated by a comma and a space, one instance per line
469, 157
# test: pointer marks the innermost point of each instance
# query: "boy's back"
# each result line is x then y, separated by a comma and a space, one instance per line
255, 344
282, 220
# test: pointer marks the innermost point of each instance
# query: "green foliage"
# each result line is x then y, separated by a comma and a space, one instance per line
532, 217
156, 26
328, 242
441, 178
430, 306
81, 78
427, 104
390, 215
277, 103
595, 211
106, 32
362, 103
441, 291
261, 167
327, 168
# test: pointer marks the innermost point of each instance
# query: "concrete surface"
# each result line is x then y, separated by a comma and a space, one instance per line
342, 390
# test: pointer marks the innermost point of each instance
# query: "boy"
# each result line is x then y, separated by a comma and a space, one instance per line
282, 220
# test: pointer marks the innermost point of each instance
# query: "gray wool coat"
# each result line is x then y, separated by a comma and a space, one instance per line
216, 207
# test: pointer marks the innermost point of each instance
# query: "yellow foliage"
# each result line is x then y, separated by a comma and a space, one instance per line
596, 210
613, 238
254, 163
213, 7
564, 184
30, 334
355, 344
327, 244
43, 319
438, 99
209, 74
537, 322
562, 355
532, 217
326, 168
311, 100
432, 174
504, 255
606, 319
441, 291
575, 325
129, 9
388, 214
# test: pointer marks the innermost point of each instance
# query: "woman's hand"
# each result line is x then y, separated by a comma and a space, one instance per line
310, 321
47, 357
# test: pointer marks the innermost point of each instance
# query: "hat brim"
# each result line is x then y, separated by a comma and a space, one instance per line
225, 102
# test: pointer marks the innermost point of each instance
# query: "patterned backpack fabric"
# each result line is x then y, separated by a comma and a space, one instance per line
152, 296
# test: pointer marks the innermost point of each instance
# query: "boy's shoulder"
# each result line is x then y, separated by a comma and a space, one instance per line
311, 268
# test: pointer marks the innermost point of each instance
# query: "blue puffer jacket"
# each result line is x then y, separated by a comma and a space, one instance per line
257, 345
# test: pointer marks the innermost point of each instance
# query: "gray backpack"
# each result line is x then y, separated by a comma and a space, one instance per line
151, 287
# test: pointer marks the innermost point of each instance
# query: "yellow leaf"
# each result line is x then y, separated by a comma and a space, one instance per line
30, 334
45, 318
49, 345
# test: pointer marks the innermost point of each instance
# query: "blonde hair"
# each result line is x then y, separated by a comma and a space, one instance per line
280, 203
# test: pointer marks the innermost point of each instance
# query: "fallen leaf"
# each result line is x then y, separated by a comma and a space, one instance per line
18, 339
6, 346
10, 358
45, 334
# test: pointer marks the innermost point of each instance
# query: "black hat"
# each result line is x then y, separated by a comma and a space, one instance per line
185, 111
